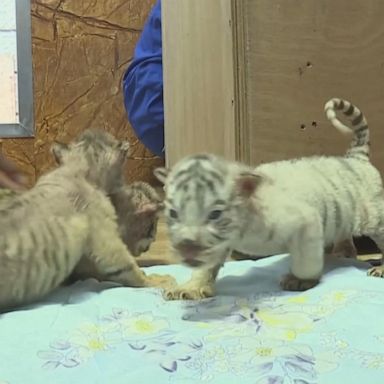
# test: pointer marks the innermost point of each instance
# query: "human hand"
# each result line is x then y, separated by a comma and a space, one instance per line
10, 175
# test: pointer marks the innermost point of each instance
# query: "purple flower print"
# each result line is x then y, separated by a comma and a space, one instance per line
246, 318
116, 315
297, 369
60, 354
168, 354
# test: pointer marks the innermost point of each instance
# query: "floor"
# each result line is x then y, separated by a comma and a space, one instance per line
161, 251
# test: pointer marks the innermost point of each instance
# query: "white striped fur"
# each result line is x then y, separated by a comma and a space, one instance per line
66, 216
299, 206
360, 141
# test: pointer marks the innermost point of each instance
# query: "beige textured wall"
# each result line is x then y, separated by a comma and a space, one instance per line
80, 52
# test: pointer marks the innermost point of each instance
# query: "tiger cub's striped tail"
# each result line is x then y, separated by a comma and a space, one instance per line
360, 143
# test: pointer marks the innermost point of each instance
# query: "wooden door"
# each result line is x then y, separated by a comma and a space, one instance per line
199, 82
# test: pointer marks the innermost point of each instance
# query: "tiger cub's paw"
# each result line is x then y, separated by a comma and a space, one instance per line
189, 292
290, 282
160, 281
376, 271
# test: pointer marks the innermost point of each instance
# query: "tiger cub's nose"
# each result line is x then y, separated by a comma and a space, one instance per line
189, 248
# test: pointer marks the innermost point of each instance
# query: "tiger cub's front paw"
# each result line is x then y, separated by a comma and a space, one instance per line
376, 271
160, 281
290, 282
189, 292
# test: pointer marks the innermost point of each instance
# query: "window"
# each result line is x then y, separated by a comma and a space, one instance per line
16, 82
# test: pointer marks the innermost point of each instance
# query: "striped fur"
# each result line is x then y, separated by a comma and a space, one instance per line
47, 230
299, 206
137, 208
360, 143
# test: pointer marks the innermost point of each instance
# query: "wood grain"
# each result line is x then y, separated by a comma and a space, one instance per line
81, 50
198, 78
299, 54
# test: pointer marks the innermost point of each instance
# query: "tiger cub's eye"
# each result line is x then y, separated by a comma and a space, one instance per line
214, 215
173, 214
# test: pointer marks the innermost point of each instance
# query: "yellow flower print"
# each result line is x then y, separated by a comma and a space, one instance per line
339, 296
263, 351
267, 349
373, 362
296, 322
202, 325
331, 340
317, 307
289, 335
273, 323
92, 337
143, 324
97, 344
298, 299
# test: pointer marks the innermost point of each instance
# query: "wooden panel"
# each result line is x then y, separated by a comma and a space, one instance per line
81, 50
242, 131
198, 78
300, 53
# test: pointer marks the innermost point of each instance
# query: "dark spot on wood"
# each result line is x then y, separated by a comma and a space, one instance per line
314, 124
302, 126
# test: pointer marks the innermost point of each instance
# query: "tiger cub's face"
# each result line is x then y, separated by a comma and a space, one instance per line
202, 207
137, 207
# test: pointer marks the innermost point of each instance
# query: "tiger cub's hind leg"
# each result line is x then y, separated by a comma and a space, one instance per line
307, 257
344, 249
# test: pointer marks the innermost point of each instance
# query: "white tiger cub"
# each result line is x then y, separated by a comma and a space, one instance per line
46, 230
299, 206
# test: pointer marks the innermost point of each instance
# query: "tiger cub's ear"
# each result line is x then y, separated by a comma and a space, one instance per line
149, 209
124, 148
161, 174
58, 149
247, 182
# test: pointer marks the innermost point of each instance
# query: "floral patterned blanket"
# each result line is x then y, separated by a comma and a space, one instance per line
251, 332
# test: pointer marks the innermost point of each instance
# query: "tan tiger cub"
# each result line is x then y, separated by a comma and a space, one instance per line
300, 206
137, 207
46, 230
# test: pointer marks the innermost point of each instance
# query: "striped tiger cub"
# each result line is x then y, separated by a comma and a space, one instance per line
46, 230
137, 207
299, 206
